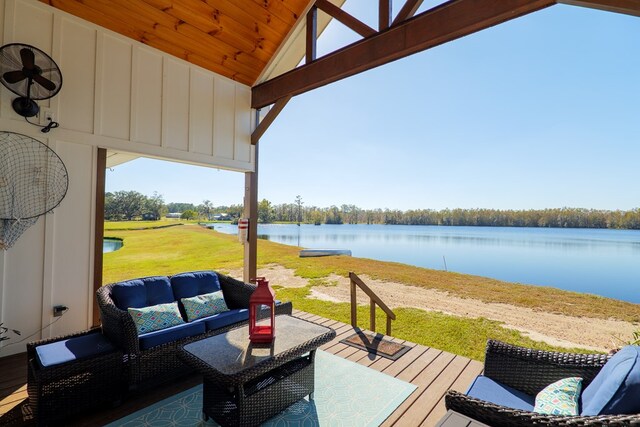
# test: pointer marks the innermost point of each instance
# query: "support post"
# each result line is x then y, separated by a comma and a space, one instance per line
354, 305
251, 212
372, 315
312, 34
388, 326
384, 14
101, 167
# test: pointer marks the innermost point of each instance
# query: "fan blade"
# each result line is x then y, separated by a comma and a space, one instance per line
13, 76
28, 58
46, 83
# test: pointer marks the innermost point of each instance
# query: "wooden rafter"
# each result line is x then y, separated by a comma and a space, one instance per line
345, 18
628, 7
408, 10
443, 23
268, 119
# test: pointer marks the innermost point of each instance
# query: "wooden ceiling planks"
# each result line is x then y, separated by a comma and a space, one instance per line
236, 39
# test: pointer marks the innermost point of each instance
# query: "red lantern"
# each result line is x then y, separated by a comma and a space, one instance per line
262, 313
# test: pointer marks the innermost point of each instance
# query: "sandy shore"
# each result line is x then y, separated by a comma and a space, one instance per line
555, 329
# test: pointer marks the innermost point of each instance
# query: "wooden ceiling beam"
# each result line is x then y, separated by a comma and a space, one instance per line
443, 23
628, 7
345, 18
408, 10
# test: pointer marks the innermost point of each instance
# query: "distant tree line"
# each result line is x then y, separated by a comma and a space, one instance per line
552, 218
132, 205
129, 205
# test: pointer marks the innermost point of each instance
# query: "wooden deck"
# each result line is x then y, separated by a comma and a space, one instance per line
433, 372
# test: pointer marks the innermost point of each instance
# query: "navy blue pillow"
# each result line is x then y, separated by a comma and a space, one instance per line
145, 292
616, 388
187, 285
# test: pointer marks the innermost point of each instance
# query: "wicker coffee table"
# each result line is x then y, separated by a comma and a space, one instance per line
245, 384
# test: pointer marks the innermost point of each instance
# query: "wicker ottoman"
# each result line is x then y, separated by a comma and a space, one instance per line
70, 374
245, 384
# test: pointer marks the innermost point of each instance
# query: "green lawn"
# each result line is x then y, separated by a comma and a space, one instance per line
459, 335
166, 251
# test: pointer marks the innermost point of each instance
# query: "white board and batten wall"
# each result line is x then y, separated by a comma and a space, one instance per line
120, 95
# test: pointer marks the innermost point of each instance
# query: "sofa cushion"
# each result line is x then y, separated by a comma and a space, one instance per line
484, 388
616, 388
227, 318
204, 305
560, 397
174, 333
74, 348
187, 285
156, 317
143, 292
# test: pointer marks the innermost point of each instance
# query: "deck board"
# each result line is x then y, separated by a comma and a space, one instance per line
433, 372
422, 380
472, 370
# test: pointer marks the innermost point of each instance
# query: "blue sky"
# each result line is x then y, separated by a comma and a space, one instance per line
542, 111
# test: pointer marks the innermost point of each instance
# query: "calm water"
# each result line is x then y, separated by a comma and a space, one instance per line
603, 262
111, 245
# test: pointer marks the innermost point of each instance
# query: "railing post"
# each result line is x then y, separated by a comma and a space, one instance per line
372, 315
373, 301
354, 306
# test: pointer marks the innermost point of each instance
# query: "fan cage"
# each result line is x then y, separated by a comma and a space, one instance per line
10, 61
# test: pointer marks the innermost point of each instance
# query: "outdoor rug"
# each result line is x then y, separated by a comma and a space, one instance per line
346, 394
376, 344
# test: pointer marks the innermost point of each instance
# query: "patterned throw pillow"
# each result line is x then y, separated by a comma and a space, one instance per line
155, 317
559, 398
204, 305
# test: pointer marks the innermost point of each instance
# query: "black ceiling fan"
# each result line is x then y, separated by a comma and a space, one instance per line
29, 73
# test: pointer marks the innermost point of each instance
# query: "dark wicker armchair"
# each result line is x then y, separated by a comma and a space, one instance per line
161, 363
530, 371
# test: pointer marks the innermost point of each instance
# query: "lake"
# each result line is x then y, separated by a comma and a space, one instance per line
602, 262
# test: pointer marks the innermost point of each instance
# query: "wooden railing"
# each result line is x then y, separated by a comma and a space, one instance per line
373, 300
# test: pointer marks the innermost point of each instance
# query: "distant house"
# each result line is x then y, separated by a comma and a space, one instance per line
222, 217
173, 215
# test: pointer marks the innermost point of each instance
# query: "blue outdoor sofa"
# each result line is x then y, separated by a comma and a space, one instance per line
152, 357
